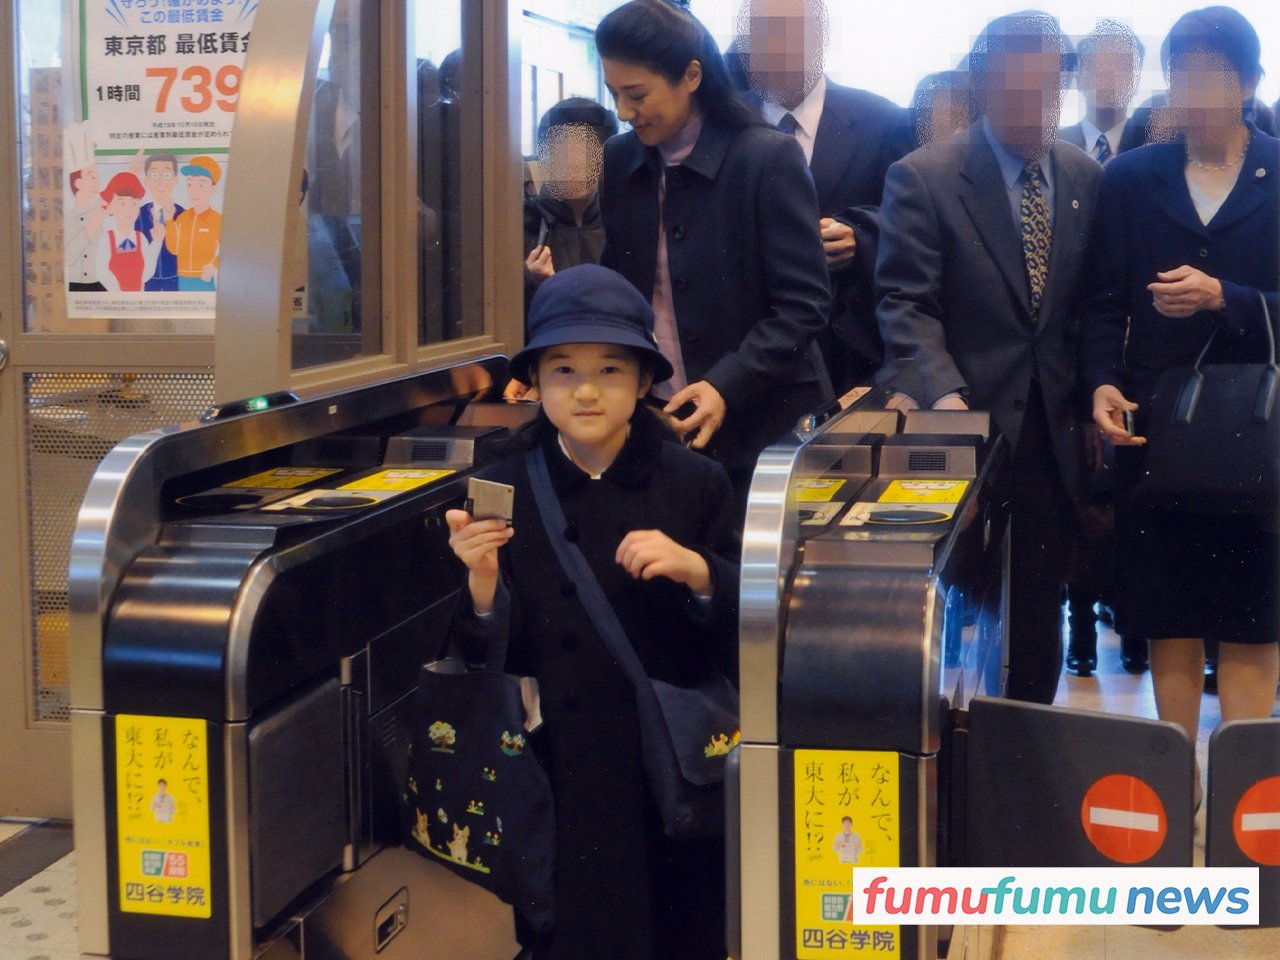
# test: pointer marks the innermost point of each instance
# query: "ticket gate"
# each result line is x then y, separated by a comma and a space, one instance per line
873, 643
251, 599
874, 581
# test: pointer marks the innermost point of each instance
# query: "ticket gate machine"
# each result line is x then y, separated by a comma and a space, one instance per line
873, 594
251, 599
874, 630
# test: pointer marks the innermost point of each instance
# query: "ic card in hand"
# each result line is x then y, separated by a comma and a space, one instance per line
487, 500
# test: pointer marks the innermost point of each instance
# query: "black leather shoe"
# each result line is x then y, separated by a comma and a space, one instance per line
1081, 666
1082, 634
1133, 654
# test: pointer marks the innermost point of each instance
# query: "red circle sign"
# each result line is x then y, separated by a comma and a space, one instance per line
1124, 818
1257, 822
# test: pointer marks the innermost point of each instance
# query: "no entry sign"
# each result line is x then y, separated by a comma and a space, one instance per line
1257, 822
1124, 818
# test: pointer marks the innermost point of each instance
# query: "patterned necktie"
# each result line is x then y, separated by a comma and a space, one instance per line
1102, 149
788, 124
1037, 234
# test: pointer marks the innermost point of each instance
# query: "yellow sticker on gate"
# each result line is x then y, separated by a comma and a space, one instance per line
396, 479
285, 478
924, 491
162, 816
817, 491
847, 815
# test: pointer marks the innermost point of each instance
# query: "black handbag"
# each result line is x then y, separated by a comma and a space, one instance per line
1213, 437
686, 733
476, 798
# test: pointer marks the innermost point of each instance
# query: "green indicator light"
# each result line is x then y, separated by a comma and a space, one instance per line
258, 403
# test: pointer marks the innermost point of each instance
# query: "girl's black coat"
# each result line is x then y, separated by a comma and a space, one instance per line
623, 890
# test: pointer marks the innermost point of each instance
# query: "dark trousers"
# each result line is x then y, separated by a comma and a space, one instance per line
1043, 534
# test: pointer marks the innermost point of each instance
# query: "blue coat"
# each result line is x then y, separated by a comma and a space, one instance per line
748, 273
1147, 223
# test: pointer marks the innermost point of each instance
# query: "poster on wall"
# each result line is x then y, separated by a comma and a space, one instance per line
146, 158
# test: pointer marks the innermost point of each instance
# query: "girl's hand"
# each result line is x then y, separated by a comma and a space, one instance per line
646, 554
476, 543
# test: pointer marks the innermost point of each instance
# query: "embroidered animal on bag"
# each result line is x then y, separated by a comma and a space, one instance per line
721, 744
458, 845
420, 831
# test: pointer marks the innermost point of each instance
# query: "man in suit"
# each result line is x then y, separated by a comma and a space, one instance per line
849, 138
982, 251
1110, 58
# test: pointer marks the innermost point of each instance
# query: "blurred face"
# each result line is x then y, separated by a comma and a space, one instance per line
572, 158
785, 46
947, 114
160, 180
1024, 100
656, 108
589, 391
1206, 96
1109, 71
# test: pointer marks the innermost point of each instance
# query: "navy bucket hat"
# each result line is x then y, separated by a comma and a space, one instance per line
589, 304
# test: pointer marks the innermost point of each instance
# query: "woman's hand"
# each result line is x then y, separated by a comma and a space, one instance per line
1109, 408
646, 554
476, 543
1184, 291
539, 264
707, 417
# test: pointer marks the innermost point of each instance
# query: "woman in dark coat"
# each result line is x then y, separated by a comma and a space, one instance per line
1188, 235
713, 216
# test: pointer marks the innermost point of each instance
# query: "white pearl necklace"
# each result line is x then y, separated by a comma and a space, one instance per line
1219, 167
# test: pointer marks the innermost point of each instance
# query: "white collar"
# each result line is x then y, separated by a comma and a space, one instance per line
1091, 132
808, 112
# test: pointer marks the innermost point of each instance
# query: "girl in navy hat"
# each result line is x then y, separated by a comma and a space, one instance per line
657, 523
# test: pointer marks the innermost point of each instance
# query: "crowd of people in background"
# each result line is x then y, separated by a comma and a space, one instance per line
795, 238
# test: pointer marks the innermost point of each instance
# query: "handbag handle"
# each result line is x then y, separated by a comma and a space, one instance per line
579, 571
1263, 402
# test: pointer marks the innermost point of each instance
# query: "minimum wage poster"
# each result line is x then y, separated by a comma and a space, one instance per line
146, 159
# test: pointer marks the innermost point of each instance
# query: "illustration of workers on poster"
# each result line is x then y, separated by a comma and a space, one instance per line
125, 256
84, 214
196, 233
161, 175
160, 86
